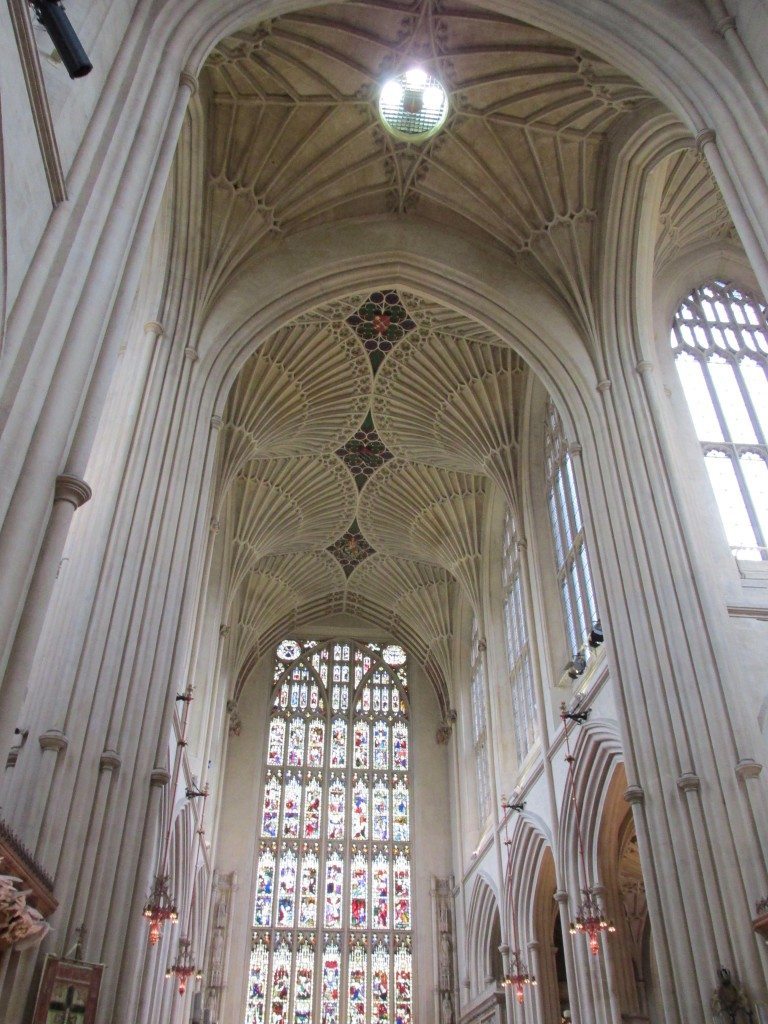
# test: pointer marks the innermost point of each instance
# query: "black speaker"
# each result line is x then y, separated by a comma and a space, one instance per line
53, 18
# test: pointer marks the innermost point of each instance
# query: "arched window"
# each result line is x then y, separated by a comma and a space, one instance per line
524, 704
332, 910
720, 341
573, 572
479, 725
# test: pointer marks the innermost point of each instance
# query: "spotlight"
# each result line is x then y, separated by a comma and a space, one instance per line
53, 18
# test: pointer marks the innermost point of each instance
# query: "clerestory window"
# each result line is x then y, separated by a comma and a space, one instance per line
331, 937
720, 340
479, 725
524, 703
572, 561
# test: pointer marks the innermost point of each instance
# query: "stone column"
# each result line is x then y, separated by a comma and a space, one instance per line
684, 729
70, 493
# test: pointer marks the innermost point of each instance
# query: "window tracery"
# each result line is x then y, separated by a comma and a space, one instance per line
573, 570
720, 341
524, 701
332, 908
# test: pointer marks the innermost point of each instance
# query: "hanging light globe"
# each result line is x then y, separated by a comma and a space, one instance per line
413, 105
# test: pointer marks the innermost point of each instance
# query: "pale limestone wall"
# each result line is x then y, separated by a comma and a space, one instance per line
136, 556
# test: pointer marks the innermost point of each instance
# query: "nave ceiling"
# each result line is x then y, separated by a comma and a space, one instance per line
358, 463
295, 139
355, 480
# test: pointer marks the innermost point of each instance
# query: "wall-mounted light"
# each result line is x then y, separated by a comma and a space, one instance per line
53, 18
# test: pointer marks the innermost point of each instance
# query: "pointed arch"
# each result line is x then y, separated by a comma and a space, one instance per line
483, 930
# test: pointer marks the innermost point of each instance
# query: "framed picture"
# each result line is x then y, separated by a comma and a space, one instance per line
68, 993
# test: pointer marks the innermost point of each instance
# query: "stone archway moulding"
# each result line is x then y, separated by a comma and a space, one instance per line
315, 267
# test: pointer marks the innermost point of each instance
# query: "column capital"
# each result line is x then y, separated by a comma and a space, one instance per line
188, 80
72, 489
153, 327
561, 896
747, 768
604, 385
725, 24
53, 739
634, 795
159, 777
191, 354
689, 782
705, 138
110, 761
644, 366
216, 422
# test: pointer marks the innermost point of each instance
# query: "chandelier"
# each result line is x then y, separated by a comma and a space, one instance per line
183, 967
161, 906
517, 976
590, 918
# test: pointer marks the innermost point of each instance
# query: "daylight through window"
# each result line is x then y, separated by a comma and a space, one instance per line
573, 571
479, 726
720, 340
332, 909
524, 703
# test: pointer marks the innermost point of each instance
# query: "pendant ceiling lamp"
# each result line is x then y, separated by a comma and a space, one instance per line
590, 919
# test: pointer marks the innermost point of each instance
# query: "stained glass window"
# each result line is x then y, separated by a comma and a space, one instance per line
332, 910
524, 703
573, 571
720, 341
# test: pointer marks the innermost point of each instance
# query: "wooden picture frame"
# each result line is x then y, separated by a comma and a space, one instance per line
68, 993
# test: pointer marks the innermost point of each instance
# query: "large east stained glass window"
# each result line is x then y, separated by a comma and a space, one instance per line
720, 341
331, 940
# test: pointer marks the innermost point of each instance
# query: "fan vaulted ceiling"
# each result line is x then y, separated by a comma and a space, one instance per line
295, 138
354, 481
363, 441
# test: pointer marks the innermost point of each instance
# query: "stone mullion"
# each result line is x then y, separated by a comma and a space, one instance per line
690, 728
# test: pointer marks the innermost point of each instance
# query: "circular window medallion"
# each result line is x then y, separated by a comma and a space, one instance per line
393, 655
413, 106
288, 650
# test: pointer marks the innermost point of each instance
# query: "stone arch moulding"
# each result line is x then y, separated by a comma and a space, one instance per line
597, 751
530, 842
309, 269
483, 906
634, 37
